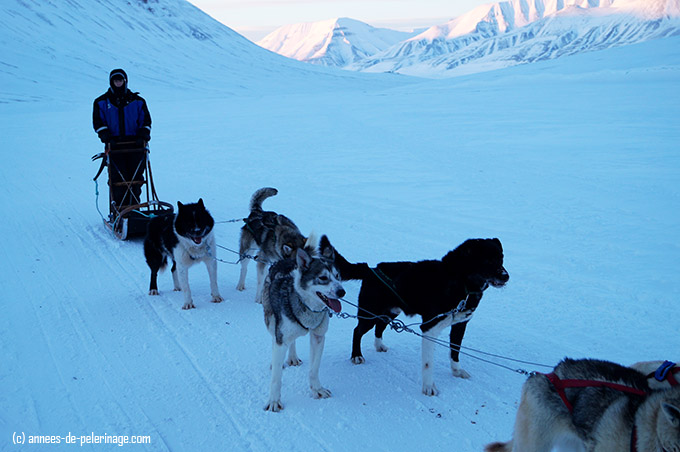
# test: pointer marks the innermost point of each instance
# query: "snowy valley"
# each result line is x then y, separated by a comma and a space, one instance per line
571, 162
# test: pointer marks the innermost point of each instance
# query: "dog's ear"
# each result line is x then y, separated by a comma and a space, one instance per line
498, 242
179, 205
327, 251
287, 250
672, 413
302, 259
469, 246
200, 203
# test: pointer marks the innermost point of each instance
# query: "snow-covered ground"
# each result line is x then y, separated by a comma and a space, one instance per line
572, 163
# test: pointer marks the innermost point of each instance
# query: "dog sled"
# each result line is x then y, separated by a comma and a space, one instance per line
133, 200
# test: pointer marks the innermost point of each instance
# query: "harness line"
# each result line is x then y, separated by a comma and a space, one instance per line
96, 199
399, 326
375, 271
242, 256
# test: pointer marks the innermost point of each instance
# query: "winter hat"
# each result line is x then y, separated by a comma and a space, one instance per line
118, 74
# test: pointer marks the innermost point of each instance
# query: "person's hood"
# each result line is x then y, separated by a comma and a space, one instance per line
121, 73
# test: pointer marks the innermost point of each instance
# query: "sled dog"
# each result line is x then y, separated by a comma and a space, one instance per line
607, 418
443, 292
297, 295
276, 237
186, 238
660, 374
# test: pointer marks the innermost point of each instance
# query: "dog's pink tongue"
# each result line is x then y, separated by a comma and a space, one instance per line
197, 240
334, 304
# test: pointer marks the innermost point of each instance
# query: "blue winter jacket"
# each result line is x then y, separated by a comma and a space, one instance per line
122, 116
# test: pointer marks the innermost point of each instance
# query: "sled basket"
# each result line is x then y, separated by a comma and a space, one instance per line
133, 200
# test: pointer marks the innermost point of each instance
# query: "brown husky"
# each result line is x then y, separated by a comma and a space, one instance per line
276, 237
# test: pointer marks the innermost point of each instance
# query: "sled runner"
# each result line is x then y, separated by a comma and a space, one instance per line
133, 200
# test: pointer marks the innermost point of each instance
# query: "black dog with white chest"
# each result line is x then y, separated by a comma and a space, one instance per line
443, 292
186, 238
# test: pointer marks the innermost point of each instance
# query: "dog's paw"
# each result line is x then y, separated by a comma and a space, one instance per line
189, 305
217, 299
154, 292
240, 287
430, 390
320, 393
274, 406
380, 346
177, 289
458, 371
293, 362
358, 359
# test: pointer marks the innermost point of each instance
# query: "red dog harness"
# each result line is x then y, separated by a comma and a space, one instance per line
560, 385
666, 371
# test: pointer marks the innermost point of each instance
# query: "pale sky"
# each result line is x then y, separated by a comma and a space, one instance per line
255, 18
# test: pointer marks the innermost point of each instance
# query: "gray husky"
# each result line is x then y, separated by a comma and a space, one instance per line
297, 297
620, 414
276, 237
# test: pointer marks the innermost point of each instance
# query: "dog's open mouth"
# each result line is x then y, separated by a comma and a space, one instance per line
500, 280
332, 303
197, 240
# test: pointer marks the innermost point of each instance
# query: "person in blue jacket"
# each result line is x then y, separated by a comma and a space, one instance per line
121, 119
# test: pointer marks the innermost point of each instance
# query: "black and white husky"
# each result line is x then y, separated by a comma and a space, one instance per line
616, 411
187, 239
297, 297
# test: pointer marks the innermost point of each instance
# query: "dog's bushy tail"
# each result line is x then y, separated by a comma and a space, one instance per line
260, 195
311, 245
349, 271
498, 447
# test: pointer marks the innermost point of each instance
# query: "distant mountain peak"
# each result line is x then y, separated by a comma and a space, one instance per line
333, 42
514, 32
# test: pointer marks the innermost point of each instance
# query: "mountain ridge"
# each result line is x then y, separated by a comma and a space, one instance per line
333, 42
161, 44
514, 32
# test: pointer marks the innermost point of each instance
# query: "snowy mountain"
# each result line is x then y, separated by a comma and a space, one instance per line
518, 31
160, 43
335, 42
490, 36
